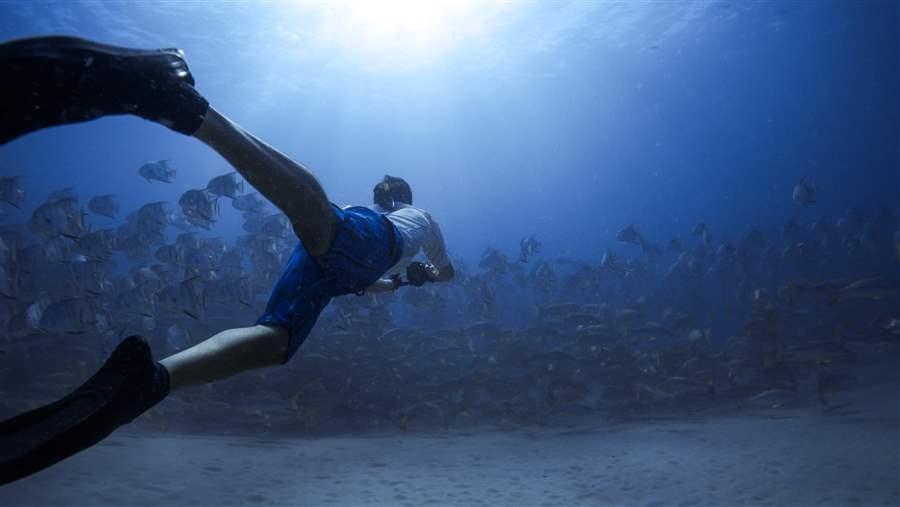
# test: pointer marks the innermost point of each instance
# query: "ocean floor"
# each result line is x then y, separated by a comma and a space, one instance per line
840, 458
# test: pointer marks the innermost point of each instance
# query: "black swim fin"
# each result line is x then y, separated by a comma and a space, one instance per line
127, 385
60, 80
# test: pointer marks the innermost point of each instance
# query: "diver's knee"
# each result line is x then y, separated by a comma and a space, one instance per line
272, 345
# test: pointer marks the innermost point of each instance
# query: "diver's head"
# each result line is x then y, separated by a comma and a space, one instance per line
390, 192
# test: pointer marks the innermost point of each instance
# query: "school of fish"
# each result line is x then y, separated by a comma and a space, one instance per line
766, 319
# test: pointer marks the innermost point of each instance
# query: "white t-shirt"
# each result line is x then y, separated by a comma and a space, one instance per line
420, 232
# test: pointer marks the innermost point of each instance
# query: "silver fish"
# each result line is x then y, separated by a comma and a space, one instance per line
199, 207
90, 276
187, 298
11, 190
7, 254
63, 193
105, 205
153, 215
528, 247
251, 203
182, 223
701, 230
629, 235
58, 218
28, 321
159, 171
228, 185
805, 191
277, 226
232, 263
71, 316
9, 283
187, 240
170, 254
609, 261
59, 249
98, 245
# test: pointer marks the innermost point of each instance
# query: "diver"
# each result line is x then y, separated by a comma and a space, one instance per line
52, 81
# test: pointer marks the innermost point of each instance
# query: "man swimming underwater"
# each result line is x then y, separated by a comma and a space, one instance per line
60, 80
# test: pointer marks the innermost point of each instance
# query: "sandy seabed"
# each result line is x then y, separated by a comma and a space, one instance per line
773, 458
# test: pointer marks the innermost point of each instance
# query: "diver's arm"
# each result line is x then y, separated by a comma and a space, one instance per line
384, 285
444, 274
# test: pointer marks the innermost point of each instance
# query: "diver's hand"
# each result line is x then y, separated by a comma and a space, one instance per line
418, 273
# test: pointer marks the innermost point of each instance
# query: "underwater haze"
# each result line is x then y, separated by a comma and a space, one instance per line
675, 227
568, 119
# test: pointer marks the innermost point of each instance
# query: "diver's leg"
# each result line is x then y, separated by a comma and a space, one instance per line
289, 185
128, 384
227, 353
50, 81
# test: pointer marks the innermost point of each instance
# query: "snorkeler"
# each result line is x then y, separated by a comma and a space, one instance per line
52, 81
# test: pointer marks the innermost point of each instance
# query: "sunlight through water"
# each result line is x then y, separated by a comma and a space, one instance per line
399, 32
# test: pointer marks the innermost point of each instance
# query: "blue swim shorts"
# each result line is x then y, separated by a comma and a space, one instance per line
364, 248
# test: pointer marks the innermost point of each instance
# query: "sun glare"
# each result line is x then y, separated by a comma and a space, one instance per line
418, 22
398, 28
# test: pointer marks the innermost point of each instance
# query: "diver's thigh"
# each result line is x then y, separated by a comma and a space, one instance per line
317, 230
286, 183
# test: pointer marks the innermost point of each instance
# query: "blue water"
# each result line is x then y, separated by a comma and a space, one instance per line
563, 120
567, 121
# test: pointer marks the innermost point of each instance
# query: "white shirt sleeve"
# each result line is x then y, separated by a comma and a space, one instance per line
434, 248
